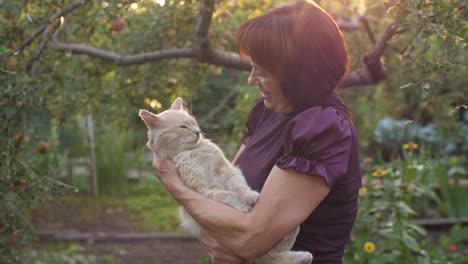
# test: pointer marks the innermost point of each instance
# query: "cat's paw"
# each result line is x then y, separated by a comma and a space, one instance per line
306, 259
251, 197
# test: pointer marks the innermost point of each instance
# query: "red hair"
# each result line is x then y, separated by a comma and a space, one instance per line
301, 45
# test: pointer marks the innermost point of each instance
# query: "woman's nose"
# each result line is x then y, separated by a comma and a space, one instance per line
252, 79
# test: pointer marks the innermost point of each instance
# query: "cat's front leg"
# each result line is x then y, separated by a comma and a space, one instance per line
227, 197
235, 181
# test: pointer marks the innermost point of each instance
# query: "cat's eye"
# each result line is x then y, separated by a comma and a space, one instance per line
183, 127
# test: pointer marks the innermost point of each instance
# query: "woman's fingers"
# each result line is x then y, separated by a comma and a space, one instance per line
158, 167
218, 254
164, 168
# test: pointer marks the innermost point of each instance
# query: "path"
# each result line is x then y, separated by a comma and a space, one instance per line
134, 248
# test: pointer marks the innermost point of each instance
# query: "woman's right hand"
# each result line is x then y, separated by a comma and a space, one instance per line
218, 254
164, 169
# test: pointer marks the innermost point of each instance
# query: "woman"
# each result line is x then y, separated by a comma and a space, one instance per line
301, 148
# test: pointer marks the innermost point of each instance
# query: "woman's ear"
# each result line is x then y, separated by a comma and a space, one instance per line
151, 120
177, 104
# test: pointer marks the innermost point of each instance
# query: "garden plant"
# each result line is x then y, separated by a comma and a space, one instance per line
73, 74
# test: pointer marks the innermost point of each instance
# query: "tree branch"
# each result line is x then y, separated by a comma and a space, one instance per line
203, 26
31, 39
219, 58
48, 32
365, 22
125, 59
374, 71
66, 10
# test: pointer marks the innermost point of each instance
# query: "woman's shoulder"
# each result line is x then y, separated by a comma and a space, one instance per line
320, 120
318, 142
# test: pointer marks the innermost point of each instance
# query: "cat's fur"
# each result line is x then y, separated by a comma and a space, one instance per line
174, 134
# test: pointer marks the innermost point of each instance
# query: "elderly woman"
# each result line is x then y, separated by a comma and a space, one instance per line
300, 150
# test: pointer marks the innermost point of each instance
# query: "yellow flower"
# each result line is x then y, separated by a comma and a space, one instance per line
369, 247
362, 191
410, 146
379, 173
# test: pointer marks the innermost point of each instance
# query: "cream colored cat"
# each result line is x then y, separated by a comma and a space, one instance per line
174, 134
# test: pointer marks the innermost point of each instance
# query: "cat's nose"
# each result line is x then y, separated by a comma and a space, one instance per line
197, 133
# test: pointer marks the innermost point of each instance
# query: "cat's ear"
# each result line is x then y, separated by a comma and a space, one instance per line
177, 104
151, 120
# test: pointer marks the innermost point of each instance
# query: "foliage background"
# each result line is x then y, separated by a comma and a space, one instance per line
46, 93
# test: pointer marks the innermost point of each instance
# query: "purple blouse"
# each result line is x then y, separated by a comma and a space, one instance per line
319, 141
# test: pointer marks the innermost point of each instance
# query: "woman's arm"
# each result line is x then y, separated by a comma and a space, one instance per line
287, 199
242, 147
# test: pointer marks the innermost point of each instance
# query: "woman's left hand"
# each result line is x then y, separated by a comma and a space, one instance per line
218, 254
164, 169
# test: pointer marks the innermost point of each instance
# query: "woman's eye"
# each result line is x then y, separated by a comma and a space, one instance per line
259, 73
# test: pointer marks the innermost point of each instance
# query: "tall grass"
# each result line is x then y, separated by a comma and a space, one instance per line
453, 193
111, 164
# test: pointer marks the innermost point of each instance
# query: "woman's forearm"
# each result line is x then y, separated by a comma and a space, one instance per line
230, 226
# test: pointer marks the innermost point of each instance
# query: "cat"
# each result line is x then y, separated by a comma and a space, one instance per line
175, 135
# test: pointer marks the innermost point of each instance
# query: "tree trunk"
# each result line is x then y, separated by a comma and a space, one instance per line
92, 155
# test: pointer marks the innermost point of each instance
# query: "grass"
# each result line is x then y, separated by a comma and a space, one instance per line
145, 206
157, 210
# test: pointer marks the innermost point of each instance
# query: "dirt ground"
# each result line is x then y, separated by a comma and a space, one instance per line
145, 252
175, 249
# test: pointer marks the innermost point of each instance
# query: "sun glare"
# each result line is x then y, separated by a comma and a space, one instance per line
134, 6
160, 2
155, 104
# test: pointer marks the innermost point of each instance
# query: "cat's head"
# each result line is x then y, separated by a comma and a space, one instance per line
171, 131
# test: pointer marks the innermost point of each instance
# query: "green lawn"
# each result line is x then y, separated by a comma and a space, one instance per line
142, 206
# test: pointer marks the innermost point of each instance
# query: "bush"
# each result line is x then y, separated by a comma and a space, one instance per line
393, 194
27, 165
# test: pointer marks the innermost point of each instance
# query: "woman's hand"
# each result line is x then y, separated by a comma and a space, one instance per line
218, 254
164, 169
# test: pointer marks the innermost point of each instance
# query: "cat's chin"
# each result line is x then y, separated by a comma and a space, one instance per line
197, 141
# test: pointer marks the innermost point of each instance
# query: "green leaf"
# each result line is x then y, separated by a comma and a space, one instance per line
420, 230
404, 208
410, 242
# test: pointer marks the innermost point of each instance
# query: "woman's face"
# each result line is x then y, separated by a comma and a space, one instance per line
269, 86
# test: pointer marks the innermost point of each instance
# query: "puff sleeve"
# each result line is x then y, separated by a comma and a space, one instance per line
318, 142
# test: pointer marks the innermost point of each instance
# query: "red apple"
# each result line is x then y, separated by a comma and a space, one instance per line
24, 185
11, 64
117, 24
